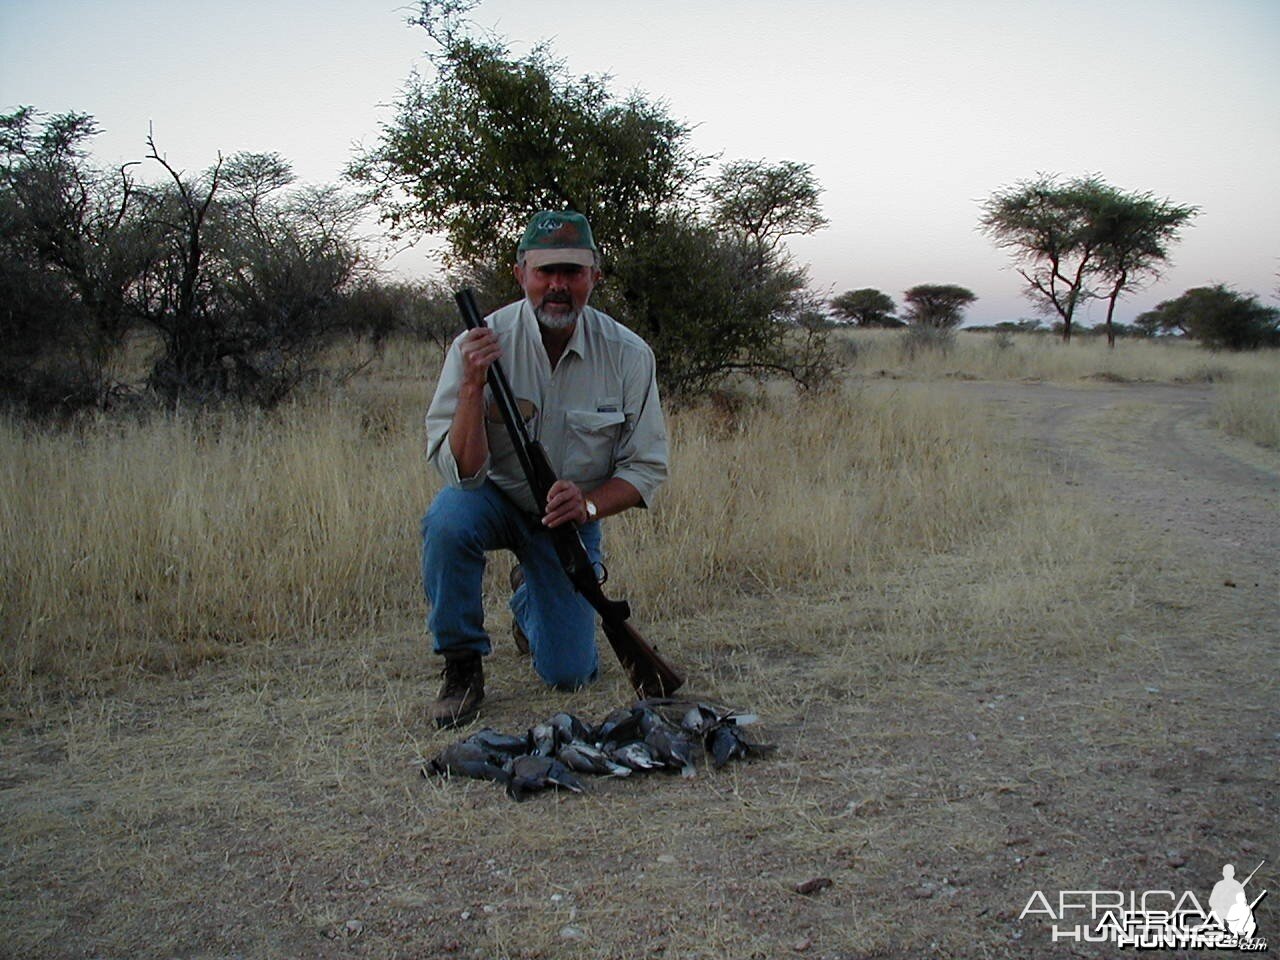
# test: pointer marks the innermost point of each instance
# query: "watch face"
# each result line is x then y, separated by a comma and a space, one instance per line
591, 510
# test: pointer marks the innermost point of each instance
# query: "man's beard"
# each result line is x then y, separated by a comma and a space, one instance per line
555, 321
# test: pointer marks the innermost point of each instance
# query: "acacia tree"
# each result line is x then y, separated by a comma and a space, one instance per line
938, 305
1133, 233
249, 279
71, 247
489, 139
763, 203
867, 307
237, 272
1220, 318
1081, 239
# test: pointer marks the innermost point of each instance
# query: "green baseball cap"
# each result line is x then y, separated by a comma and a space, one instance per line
553, 237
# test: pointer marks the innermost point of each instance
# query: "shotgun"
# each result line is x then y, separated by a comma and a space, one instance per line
650, 674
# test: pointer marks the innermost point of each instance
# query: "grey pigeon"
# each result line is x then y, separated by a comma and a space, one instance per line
585, 758
667, 742
635, 755
726, 742
467, 760
619, 726
569, 728
500, 743
542, 737
672, 747
699, 719
531, 774
649, 720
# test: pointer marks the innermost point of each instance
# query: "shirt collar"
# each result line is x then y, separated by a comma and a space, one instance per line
578, 342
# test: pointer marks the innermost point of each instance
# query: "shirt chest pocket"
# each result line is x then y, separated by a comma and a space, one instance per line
591, 437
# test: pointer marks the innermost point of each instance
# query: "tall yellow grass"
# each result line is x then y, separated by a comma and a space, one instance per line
157, 544
812, 491
1249, 406
154, 545
1044, 357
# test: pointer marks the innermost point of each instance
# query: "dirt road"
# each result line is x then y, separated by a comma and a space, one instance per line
1151, 451
1155, 771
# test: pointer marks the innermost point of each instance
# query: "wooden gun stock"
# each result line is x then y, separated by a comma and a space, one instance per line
649, 673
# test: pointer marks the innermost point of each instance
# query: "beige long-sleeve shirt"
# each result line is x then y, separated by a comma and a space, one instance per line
597, 414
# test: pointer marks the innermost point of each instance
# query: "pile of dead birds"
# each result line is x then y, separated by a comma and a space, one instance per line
659, 734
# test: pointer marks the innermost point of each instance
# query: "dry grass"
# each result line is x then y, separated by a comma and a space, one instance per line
813, 493
1249, 407
987, 356
155, 545
950, 647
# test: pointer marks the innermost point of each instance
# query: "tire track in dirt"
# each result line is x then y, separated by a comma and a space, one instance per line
1151, 452
1162, 767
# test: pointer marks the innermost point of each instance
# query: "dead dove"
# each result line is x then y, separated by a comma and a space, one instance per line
542, 737
667, 742
725, 742
530, 774
585, 758
468, 760
672, 747
620, 726
500, 743
569, 728
635, 755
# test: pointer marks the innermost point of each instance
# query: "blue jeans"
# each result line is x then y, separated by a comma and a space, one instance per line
459, 528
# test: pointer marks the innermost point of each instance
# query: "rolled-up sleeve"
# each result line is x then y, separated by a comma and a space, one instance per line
440, 420
642, 449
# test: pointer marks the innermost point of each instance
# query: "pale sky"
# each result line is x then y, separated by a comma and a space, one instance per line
910, 112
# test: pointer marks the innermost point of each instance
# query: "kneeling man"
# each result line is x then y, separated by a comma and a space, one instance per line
587, 390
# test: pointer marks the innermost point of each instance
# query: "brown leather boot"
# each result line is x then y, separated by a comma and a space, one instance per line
522, 642
462, 691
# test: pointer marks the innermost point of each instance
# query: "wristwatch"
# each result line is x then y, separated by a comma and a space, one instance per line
592, 509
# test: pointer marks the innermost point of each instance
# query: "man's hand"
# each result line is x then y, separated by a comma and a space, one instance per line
566, 503
467, 440
479, 349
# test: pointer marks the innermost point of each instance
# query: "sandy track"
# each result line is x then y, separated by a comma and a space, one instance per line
1151, 451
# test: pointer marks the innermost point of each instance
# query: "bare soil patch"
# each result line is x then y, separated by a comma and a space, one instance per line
270, 806
1150, 452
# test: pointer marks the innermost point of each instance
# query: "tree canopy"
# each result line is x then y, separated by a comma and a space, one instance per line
237, 273
1082, 239
71, 249
940, 305
764, 203
867, 307
696, 266
490, 139
1220, 318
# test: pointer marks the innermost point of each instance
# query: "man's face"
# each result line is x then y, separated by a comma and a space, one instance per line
557, 291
